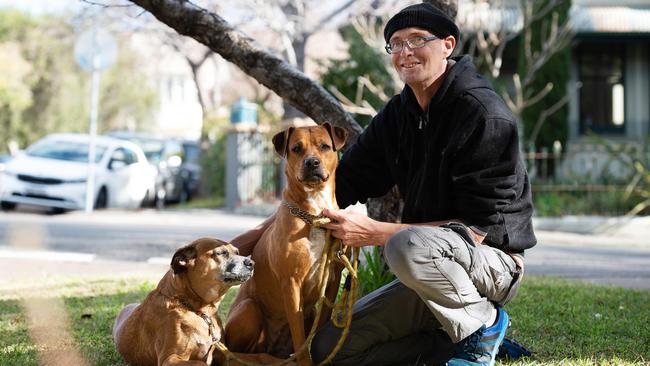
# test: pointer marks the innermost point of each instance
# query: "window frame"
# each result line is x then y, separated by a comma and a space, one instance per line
610, 129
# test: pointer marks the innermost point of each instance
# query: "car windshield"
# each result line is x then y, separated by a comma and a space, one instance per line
152, 148
65, 150
192, 153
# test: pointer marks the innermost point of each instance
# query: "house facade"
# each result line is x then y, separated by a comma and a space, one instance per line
609, 84
610, 81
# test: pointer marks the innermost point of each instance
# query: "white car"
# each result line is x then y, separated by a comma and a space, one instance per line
52, 173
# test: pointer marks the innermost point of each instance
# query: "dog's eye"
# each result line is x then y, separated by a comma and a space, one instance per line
220, 254
296, 149
325, 147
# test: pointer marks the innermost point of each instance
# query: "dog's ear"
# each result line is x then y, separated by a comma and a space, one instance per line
281, 140
183, 258
337, 134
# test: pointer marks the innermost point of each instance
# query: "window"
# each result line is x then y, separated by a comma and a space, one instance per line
130, 157
602, 96
64, 150
119, 155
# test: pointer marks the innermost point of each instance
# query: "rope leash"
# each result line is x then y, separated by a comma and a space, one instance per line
341, 311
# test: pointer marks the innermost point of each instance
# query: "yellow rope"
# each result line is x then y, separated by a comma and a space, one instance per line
343, 307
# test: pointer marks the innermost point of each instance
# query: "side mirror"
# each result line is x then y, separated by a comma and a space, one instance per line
116, 164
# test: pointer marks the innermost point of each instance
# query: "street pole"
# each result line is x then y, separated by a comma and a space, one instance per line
94, 106
94, 51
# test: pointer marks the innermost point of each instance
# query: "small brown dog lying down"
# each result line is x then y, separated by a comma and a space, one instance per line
178, 323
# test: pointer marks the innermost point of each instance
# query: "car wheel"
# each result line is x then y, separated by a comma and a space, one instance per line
161, 197
7, 206
102, 199
57, 211
146, 201
184, 196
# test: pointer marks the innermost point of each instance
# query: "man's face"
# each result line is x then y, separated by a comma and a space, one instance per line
424, 65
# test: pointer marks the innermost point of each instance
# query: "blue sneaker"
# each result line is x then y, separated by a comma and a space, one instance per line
482, 346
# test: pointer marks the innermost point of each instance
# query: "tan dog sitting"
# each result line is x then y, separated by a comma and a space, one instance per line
273, 311
177, 323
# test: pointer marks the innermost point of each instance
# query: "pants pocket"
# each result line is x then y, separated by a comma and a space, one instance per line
515, 282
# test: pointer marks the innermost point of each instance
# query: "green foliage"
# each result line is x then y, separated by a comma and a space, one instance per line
555, 71
635, 158
374, 273
50, 92
213, 165
363, 60
581, 200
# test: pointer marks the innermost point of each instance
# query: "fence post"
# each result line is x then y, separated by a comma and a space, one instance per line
243, 176
544, 157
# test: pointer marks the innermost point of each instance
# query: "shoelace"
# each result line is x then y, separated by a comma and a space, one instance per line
470, 346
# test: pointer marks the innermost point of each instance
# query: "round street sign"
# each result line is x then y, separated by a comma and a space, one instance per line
95, 50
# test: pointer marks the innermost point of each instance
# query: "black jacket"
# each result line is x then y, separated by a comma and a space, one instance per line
458, 160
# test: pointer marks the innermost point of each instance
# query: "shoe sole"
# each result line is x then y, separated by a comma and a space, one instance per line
502, 335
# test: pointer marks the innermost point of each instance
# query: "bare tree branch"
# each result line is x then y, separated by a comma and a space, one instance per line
326, 19
213, 31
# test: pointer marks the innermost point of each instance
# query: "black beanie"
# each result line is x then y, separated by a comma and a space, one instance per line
425, 16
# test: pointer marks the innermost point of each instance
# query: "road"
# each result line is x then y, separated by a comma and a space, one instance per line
122, 237
125, 236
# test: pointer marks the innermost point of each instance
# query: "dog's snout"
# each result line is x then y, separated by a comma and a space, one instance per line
249, 263
312, 162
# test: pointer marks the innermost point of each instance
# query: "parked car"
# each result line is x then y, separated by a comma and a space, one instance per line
174, 178
52, 173
4, 158
191, 167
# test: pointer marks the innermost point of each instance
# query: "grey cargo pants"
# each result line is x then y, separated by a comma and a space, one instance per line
443, 293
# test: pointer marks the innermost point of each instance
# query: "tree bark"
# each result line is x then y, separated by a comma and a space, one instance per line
292, 85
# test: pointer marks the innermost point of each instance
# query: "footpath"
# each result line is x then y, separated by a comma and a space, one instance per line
18, 268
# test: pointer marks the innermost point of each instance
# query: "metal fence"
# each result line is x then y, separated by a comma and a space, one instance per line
253, 171
256, 175
557, 193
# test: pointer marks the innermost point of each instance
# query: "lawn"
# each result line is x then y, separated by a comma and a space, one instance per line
562, 322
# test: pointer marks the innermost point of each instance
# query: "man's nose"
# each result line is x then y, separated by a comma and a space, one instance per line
312, 162
406, 50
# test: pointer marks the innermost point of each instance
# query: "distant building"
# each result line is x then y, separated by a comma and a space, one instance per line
610, 73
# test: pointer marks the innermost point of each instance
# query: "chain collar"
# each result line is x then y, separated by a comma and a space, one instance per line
301, 214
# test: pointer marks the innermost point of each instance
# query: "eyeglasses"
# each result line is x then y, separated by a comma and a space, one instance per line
397, 45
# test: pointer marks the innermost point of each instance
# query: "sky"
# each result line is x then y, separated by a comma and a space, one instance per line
38, 7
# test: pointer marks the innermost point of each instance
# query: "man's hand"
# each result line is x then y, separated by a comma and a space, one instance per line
358, 230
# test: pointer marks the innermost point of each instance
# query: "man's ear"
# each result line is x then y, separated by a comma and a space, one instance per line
280, 141
183, 258
337, 134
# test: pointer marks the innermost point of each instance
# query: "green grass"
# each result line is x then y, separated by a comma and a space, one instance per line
568, 322
562, 322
